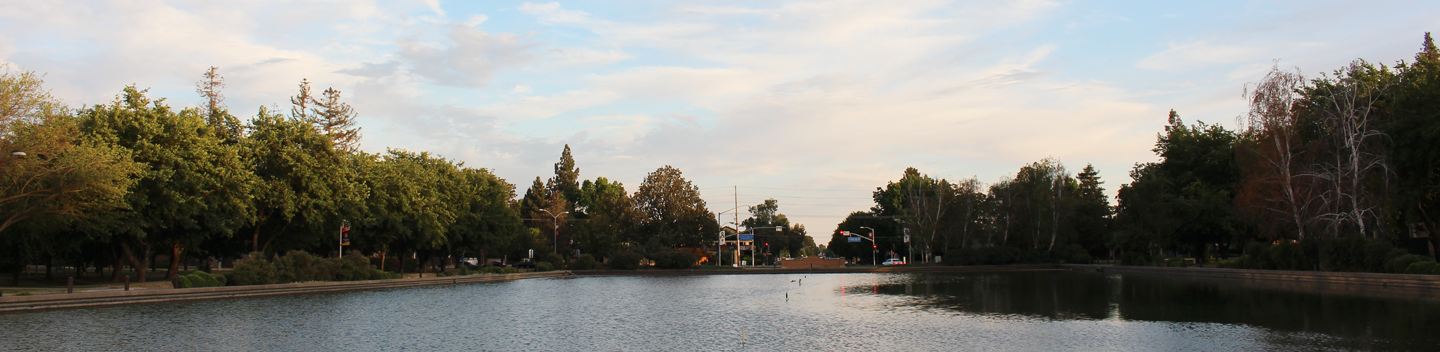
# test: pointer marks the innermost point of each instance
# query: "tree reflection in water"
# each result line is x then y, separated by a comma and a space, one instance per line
1068, 295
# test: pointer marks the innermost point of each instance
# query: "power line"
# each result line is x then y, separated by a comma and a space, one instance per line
777, 197
813, 189
831, 205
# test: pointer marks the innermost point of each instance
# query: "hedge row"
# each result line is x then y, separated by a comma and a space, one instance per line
1345, 254
299, 266
1072, 254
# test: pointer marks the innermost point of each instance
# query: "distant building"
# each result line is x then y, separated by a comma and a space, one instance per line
813, 262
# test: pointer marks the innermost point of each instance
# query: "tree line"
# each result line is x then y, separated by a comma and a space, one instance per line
1335, 172
122, 183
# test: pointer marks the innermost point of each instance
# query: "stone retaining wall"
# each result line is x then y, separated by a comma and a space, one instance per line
104, 298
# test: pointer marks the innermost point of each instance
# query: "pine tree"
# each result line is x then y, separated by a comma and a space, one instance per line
566, 182
216, 115
1428, 53
1090, 183
300, 103
336, 119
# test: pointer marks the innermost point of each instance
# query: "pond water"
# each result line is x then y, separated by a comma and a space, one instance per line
1022, 311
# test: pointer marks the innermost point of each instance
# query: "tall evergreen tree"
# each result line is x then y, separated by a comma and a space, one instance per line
302, 102
213, 108
1092, 212
566, 181
336, 119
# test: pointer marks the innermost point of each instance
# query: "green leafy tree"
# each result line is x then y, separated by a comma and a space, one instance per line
305, 187
193, 186
484, 222
1414, 128
546, 212
57, 185
409, 210
924, 204
609, 217
671, 210
889, 232
1184, 202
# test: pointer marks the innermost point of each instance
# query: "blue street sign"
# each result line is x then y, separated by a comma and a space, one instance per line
854, 238
747, 237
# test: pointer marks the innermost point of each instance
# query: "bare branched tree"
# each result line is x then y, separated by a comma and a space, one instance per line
300, 103
213, 106
1347, 111
1272, 122
336, 119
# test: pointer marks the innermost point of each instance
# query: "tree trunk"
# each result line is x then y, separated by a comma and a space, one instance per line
175, 250
15, 276
117, 264
255, 239
135, 261
48, 267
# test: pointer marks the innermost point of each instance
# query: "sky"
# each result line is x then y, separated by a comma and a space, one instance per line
812, 103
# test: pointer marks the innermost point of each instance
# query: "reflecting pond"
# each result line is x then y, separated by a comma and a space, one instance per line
1036, 310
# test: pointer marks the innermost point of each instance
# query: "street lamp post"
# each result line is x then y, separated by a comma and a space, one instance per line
874, 252
720, 242
555, 220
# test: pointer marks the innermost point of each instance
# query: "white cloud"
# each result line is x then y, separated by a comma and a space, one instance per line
1197, 55
470, 59
806, 94
476, 20
434, 5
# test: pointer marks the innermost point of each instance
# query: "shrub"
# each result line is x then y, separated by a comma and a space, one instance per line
984, 256
199, 279
508, 270
493, 270
556, 261
354, 267
1349, 253
1423, 268
254, 270
1074, 254
1398, 264
1133, 258
544, 266
1356, 254
626, 261
586, 262
299, 266
674, 259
